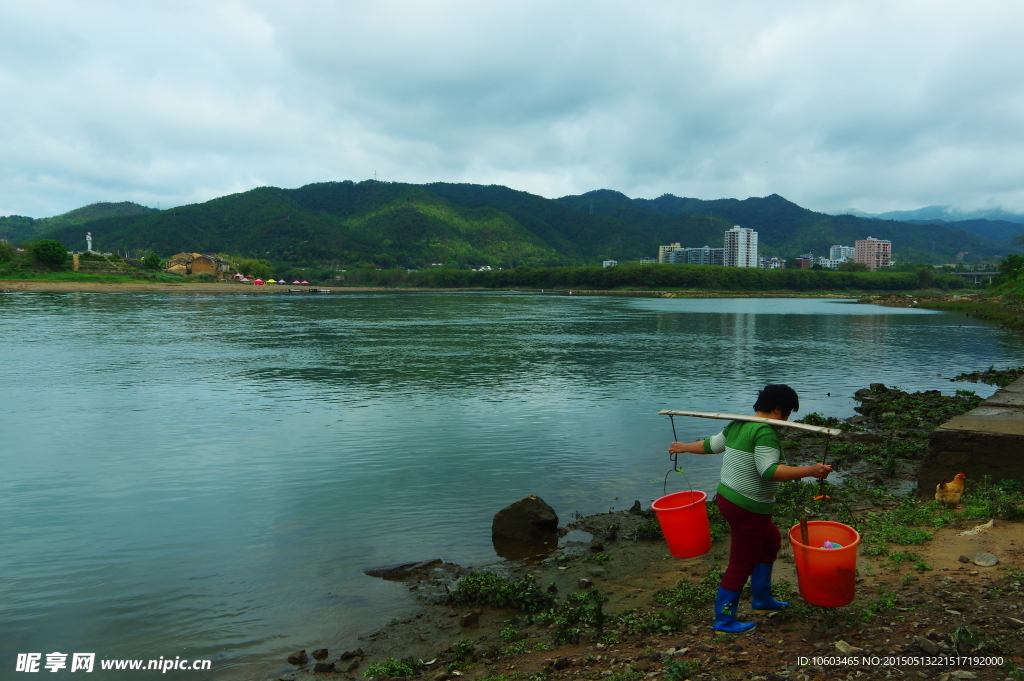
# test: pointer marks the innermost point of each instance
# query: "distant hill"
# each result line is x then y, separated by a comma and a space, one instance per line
942, 213
17, 228
1000, 230
786, 229
344, 224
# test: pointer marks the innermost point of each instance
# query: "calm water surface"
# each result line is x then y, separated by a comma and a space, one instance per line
205, 476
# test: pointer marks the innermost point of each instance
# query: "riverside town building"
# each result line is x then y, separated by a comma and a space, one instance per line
739, 250
874, 253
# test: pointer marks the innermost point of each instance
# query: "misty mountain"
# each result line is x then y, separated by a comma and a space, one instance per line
941, 213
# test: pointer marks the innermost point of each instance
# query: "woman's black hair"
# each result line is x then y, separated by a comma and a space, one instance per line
780, 397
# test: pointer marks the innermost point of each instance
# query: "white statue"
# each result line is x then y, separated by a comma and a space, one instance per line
88, 242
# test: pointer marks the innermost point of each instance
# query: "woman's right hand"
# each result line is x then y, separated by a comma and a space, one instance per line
686, 447
819, 470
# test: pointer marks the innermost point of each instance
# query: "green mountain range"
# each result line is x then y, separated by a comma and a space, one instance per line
18, 228
382, 224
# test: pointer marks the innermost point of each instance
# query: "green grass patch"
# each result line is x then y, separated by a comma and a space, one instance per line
407, 666
574, 614
488, 589
649, 529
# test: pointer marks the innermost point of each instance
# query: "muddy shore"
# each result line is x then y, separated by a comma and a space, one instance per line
923, 603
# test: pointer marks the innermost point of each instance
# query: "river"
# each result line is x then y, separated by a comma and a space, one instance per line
205, 476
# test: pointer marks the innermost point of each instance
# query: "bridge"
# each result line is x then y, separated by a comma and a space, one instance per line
978, 277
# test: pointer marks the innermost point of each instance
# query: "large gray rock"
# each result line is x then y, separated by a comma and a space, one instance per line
528, 519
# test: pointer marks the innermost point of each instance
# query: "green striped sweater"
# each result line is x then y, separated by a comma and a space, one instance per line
752, 453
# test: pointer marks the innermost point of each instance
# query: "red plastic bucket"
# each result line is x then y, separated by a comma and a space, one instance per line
826, 576
683, 517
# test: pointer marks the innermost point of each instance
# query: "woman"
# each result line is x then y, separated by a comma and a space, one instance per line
751, 474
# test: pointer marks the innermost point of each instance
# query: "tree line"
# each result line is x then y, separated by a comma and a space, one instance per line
657, 277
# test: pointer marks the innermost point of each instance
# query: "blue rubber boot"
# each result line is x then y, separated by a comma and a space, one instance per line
725, 612
761, 587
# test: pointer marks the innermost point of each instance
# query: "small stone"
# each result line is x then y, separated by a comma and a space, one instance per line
323, 667
320, 654
470, 619
586, 583
1014, 623
487, 660
601, 646
985, 560
736, 647
561, 663
844, 648
298, 658
964, 559
933, 635
962, 674
596, 545
442, 676
930, 647
682, 652
352, 667
349, 654
953, 612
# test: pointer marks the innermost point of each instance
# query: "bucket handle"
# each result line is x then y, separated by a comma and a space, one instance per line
675, 462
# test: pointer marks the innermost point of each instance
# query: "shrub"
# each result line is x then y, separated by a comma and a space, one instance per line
153, 262
50, 252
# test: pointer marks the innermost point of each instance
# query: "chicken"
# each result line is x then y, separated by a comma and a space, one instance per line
948, 493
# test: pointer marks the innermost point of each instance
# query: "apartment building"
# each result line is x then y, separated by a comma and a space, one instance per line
839, 252
741, 247
698, 256
665, 252
875, 253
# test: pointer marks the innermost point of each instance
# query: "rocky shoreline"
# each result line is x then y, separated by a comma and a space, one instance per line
607, 602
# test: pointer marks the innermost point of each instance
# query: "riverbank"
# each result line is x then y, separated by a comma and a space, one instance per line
183, 287
610, 603
137, 285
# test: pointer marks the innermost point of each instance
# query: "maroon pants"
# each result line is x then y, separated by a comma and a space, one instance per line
754, 539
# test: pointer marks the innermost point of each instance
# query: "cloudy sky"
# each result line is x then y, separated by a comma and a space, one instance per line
874, 105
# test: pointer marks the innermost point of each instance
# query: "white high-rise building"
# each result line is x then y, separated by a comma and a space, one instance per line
837, 252
741, 247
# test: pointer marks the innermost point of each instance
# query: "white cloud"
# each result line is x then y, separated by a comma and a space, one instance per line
878, 105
